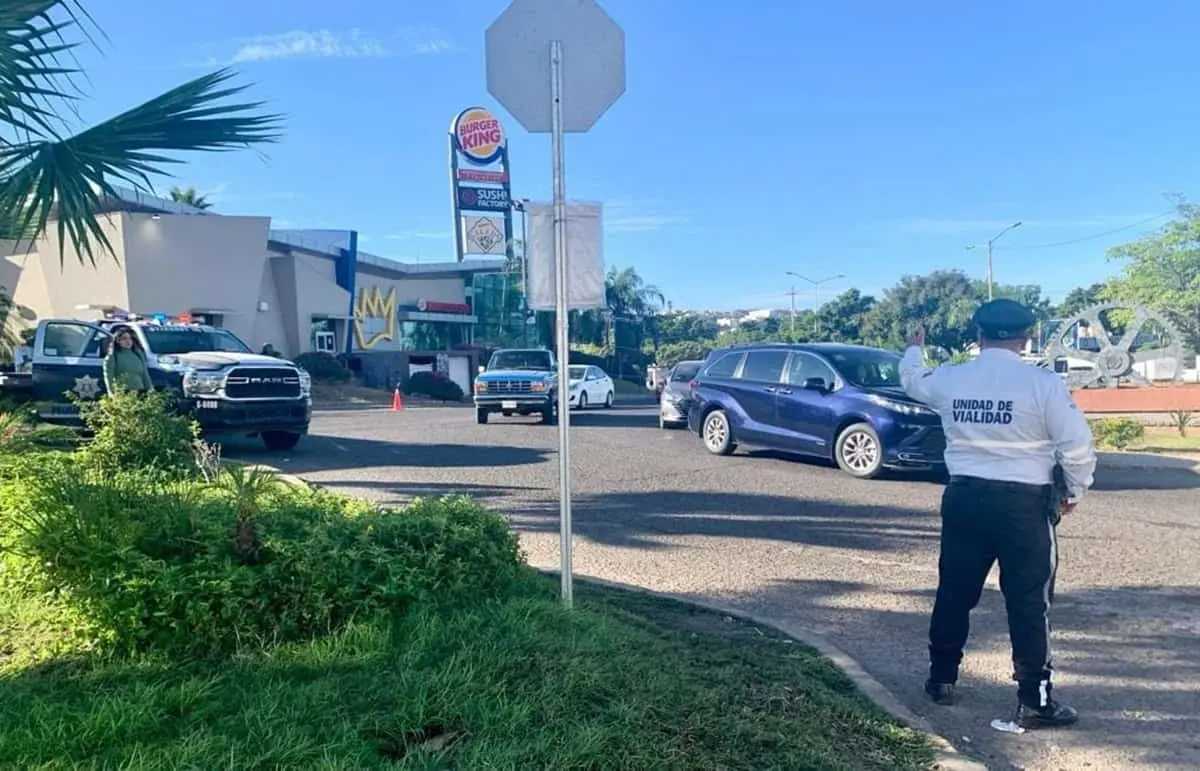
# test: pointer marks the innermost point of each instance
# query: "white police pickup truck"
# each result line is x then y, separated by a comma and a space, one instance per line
225, 387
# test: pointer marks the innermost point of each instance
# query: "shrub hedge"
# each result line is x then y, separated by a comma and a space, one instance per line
129, 547
323, 367
435, 385
1117, 433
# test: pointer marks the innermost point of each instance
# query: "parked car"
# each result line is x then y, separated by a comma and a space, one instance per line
677, 394
590, 386
826, 400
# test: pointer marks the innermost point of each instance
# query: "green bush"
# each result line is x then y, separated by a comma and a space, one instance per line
323, 367
687, 350
190, 568
1117, 433
139, 432
435, 385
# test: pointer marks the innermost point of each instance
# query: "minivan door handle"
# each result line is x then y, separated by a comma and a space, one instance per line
769, 389
784, 391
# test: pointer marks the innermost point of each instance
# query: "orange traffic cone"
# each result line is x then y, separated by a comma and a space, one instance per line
397, 401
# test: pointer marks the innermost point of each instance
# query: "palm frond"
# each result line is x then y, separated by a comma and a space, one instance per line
69, 178
32, 76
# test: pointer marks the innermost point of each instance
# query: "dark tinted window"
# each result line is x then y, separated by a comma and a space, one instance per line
684, 372
764, 365
724, 366
176, 340
805, 366
868, 367
529, 359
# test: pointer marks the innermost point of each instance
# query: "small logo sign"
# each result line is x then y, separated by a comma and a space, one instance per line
473, 198
374, 317
483, 235
87, 387
482, 175
479, 136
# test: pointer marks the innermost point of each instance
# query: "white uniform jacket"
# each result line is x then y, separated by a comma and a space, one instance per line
1004, 419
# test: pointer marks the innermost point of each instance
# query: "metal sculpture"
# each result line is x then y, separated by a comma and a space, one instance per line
1113, 362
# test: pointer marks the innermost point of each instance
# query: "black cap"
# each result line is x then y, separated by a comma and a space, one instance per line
1003, 319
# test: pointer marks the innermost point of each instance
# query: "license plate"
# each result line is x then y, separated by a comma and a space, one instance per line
508, 405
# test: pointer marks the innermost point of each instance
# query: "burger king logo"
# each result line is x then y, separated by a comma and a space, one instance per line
478, 135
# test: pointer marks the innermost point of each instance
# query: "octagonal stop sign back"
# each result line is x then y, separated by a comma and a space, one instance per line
518, 62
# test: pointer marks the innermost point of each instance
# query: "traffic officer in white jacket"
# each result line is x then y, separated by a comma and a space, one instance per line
1007, 425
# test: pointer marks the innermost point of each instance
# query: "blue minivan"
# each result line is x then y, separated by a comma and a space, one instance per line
827, 400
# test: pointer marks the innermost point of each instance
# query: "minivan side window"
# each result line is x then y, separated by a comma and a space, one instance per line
764, 366
805, 366
724, 366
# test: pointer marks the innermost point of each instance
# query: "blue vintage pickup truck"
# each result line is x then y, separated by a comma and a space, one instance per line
518, 381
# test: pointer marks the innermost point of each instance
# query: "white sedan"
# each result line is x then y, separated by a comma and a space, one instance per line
590, 386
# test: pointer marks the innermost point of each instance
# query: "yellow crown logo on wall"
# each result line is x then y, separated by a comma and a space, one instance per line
375, 306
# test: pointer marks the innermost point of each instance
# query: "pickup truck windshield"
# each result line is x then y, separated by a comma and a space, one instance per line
538, 361
176, 340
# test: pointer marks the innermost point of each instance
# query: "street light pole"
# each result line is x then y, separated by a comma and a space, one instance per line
792, 294
816, 285
991, 242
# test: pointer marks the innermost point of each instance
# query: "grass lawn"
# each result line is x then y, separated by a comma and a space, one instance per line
624, 682
1165, 439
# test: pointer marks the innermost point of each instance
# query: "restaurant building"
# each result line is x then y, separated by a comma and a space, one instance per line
296, 290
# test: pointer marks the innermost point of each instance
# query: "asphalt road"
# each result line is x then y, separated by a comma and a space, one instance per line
852, 560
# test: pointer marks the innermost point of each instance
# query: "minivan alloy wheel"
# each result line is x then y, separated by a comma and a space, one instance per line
716, 433
860, 451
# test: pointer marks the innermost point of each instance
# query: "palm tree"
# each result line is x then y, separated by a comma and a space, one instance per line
9, 337
190, 196
628, 295
46, 172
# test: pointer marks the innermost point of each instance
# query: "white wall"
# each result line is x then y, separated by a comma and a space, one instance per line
180, 262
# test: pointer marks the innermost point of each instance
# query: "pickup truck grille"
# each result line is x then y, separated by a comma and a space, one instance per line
510, 386
262, 383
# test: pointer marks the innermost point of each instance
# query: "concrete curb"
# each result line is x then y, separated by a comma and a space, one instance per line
1148, 461
946, 756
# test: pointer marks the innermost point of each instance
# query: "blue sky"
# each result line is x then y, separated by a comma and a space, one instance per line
872, 139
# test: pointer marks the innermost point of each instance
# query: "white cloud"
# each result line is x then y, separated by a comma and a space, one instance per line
644, 223
628, 216
425, 40
302, 44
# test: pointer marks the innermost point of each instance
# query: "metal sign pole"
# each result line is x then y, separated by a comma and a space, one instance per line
560, 322
516, 45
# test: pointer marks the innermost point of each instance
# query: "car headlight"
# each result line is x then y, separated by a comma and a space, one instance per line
537, 387
305, 383
199, 382
904, 408
480, 387
170, 363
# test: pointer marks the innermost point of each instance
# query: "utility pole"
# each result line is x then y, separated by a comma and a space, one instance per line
816, 285
793, 322
991, 242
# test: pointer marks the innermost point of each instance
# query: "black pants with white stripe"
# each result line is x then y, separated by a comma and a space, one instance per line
984, 521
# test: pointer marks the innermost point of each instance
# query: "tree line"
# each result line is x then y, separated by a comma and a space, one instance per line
1160, 271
